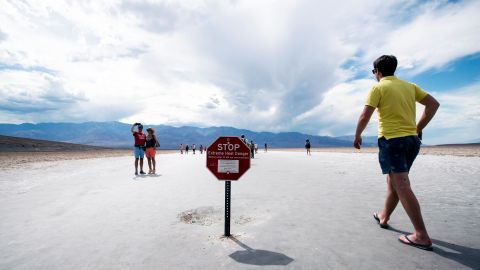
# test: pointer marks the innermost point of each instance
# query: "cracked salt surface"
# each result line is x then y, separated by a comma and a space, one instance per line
207, 216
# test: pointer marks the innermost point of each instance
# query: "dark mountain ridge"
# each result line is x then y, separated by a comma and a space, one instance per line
17, 144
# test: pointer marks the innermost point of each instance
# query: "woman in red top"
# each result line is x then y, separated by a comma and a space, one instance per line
150, 144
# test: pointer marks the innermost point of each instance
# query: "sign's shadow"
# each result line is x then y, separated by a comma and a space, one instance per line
258, 256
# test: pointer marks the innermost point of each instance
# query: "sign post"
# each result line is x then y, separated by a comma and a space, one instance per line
228, 158
228, 197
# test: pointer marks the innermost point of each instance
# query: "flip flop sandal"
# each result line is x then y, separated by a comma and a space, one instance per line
411, 243
383, 226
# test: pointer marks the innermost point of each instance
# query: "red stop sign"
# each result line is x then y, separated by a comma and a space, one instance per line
228, 158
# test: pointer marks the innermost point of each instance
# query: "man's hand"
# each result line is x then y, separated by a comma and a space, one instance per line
431, 107
419, 134
362, 124
357, 142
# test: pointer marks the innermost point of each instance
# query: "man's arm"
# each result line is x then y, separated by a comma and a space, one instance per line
133, 126
431, 107
362, 124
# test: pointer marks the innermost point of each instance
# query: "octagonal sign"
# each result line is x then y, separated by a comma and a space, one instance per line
228, 158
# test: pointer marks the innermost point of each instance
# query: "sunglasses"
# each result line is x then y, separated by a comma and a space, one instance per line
374, 70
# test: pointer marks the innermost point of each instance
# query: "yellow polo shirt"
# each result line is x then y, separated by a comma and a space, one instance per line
395, 102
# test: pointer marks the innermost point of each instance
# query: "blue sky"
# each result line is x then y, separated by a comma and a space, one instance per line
457, 74
262, 65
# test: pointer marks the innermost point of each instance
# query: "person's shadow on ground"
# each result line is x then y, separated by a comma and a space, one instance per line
145, 176
258, 256
463, 255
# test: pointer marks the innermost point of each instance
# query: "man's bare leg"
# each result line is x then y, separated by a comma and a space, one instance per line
154, 164
401, 184
141, 164
136, 165
391, 202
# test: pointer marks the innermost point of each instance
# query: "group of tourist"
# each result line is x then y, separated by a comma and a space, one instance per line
252, 146
145, 145
184, 148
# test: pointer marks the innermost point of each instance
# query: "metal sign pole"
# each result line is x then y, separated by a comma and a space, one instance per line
228, 194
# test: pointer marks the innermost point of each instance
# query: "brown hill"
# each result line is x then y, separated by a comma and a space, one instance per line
16, 144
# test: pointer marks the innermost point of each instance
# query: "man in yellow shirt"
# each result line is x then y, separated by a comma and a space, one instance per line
398, 141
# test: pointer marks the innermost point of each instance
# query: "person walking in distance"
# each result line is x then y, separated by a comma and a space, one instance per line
252, 149
266, 147
151, 143
181, 148
308, 146
399, 140
139, 146
194, 147
244, 140
186, 149
201, 149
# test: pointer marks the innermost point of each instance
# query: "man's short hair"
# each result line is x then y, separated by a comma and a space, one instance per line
386, 64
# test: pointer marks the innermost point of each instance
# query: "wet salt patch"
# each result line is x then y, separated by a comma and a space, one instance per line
240, 220
207, 216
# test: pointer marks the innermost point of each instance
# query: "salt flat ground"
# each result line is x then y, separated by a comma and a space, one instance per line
290, 211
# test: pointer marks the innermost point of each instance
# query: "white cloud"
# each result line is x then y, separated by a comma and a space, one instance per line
262, 65
458, 119
3, 36
25, 92
339, 110
441, 33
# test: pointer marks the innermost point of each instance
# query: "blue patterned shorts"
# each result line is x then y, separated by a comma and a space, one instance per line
138, 152
397, 154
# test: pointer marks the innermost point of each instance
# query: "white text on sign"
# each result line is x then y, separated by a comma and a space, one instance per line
228, 146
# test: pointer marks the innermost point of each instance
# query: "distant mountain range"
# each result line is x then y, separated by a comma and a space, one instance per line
116, 134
